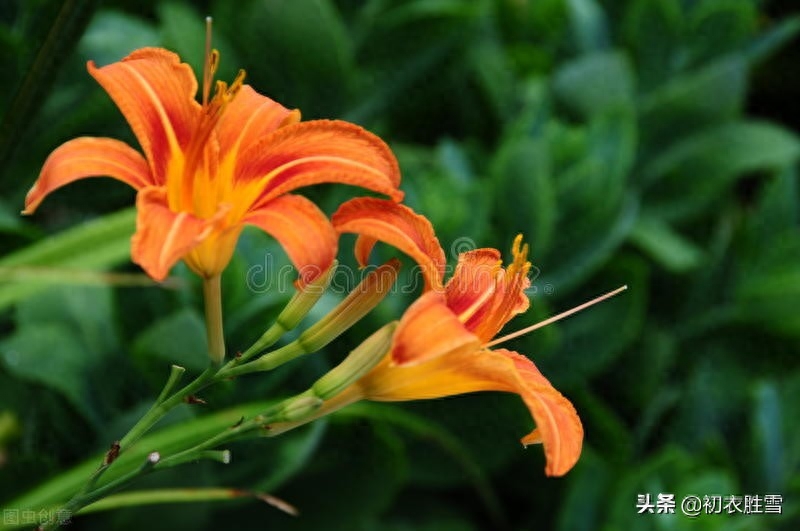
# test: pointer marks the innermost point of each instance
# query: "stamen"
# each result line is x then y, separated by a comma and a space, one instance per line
519, 252
558, 317
210, 63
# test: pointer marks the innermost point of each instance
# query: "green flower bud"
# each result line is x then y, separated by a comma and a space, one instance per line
359, 362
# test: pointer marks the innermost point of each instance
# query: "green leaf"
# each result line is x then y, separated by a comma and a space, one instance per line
524, 193
179, 339
96, 245
305, 55
666, 247
585, 256
690, 101
653, 30
184, 31
770, 297
430, 433
778, 207
374, 467
168, 440
417, 10
63, 338
718, 26
194, 495
708, 162
55, 28
290, 454
112, 35
768, 42
51, 354
768, 439
589, 25
586, 341
588, 483
87, 311
9, 218
595, 83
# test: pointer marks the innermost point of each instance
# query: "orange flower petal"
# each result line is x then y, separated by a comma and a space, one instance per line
395, 224
429, 329
155, 93
471, 289
88, 157
248, 118
485, 295
162, 236
320, 151
303, 231
558, 426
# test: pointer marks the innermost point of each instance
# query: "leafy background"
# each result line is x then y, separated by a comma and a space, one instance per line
646, 142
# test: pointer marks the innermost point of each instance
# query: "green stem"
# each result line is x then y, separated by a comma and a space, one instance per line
200, 450
175, 374
269, 338
85, 498
212, 295
160, 408
159, 496
268, 361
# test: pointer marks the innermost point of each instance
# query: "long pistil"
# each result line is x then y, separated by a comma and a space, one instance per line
555, 318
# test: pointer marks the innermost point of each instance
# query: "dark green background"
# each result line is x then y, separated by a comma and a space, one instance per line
645, 142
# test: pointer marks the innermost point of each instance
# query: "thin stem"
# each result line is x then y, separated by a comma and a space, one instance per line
212, 294
85, 498
269, 338
144, 423
160, 409
175, 373
201, 450
162, 406
268, 361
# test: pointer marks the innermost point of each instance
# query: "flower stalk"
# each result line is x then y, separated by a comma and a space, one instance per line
364, 297
295, 310
212, 297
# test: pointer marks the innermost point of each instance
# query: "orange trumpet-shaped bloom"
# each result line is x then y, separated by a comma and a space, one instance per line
209, 168
440, 345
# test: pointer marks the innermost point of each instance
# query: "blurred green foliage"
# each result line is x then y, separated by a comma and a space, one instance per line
613, 134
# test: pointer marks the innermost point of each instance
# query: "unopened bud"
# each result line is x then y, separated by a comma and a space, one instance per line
356, 305
359, 362
298, 408
295, 310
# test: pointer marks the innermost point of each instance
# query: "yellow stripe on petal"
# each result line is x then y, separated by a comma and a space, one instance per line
248, 118
155, 93
320, 151
88, 157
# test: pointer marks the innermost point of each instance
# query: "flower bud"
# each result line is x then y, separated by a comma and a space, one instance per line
298, 407
356, 305
298, 307
359, 362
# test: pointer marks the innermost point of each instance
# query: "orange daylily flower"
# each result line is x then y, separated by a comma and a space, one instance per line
209, 168
440, 347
